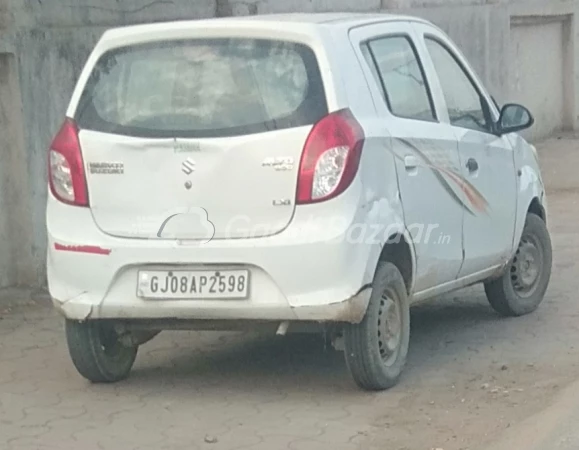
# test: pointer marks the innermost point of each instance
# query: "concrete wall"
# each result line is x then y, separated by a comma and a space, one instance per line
15, 220
48, 41
541, 85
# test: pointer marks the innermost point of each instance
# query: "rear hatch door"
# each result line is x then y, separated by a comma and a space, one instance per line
199, 138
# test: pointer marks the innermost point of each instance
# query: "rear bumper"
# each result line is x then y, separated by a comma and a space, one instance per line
319, 279
351, 310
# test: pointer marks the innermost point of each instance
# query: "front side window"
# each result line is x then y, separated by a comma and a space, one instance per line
401, 76
203, 88
463, 100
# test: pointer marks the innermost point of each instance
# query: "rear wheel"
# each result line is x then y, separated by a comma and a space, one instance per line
97, 351
522, 288
376, 348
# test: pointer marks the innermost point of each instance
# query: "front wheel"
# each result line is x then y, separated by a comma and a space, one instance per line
376, 348
97, 351
522, 288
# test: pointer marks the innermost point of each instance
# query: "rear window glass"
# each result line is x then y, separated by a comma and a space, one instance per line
203, 88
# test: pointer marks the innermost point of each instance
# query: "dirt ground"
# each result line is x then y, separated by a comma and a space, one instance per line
471, 376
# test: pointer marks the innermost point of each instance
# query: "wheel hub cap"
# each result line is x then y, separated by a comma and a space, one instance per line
389, 329
526, 267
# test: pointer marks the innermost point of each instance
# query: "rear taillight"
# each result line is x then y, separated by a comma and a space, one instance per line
65, 167
330, 158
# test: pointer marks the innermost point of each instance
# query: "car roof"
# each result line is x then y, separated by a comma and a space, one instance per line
323, 18
289, 20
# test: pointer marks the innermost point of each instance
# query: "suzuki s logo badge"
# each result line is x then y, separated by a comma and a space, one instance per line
188, 166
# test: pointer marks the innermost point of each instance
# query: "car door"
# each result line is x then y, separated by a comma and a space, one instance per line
487, 160
424, 146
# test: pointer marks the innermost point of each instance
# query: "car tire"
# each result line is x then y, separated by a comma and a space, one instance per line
376, 348
522, 287
97, 352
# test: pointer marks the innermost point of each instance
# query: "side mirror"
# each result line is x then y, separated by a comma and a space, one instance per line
514, 118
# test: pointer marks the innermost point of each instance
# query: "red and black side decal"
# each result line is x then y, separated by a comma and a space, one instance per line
477, 203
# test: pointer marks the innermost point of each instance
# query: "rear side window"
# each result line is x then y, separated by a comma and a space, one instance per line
203, 88
394, 61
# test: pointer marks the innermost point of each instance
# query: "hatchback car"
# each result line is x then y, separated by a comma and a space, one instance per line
293, 170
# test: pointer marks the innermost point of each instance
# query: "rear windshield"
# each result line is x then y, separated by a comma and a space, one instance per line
203, 88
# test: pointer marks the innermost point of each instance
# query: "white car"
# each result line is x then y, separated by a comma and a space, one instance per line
286, 170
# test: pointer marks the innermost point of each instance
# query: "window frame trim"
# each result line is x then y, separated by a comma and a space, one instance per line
409, 39
486, 111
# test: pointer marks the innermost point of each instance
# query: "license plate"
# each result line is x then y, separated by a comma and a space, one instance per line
182, 284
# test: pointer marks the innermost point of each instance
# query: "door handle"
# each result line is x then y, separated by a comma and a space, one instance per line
410, 162
472, 165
